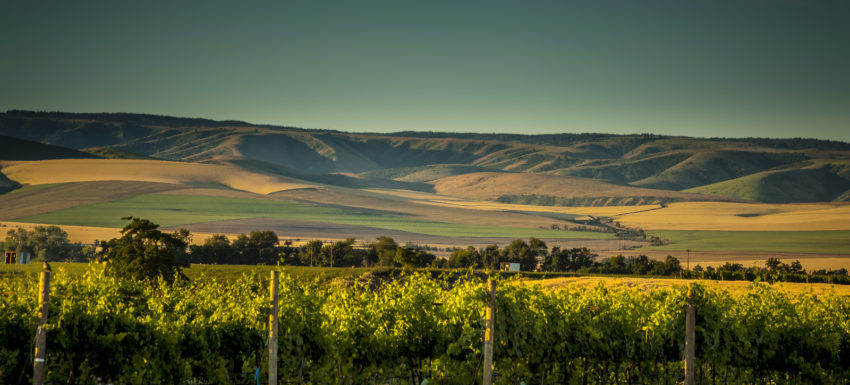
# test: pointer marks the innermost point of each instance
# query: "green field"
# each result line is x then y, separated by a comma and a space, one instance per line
807, 242
177, 210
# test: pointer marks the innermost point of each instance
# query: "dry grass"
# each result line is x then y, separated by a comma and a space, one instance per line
424, 206
733, 287
189, 174
81, 234
727, 216
490, 185
39, 199
484, 205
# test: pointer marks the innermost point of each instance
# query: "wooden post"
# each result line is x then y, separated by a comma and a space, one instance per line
690, 341
490, 316
273, 329
40, 333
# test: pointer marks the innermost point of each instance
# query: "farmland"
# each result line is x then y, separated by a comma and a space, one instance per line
175, 210
433, 189
415, 327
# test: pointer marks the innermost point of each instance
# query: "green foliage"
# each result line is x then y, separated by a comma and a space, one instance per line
216, 249
385, 248
407, 256
256, 247
413, 328
46, 243
144, 252
310, 252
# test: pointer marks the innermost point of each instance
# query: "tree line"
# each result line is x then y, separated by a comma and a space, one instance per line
145, 251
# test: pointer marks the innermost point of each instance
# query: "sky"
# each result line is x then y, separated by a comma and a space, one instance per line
772, 68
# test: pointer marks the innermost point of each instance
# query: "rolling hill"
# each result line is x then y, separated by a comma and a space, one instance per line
541, 169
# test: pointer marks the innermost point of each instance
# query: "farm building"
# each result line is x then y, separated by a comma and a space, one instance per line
16, 257
507, 266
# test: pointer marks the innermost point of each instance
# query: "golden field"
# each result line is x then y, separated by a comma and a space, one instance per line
720, 216
733, 287
183, 173
727, 216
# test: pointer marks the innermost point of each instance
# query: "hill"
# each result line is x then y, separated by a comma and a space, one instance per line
808, 184
19, 149
550, 190
654, 168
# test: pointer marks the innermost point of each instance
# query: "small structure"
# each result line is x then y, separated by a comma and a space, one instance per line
510, 266
17, 257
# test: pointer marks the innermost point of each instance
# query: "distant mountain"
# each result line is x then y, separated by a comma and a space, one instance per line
652, 167
20, 149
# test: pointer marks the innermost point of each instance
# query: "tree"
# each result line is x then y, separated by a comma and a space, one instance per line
412, 256
385, 248
797, 267
672, 265
520, 252
490, 256
462, 258
340, 253
216, 249
581, 258
557, 260
144, 252
406, 256
257, 247
773, 264
45, 243
310, 252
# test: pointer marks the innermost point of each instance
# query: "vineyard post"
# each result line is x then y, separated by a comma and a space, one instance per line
40, 333
490, 316
690, 340
273, 328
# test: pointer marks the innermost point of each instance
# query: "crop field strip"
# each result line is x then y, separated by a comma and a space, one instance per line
803, 242
174, 210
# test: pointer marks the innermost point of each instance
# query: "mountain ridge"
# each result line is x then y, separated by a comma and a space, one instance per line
635, 162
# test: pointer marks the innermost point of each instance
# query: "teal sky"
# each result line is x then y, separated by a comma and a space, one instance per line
771, 68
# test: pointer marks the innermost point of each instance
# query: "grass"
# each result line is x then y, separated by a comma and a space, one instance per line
176, 210
33, 188
742, 217
805, 242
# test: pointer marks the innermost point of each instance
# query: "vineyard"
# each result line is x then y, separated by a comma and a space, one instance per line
415, 328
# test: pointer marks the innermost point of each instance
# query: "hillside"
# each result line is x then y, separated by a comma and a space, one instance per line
809, 184
653, 168
548, 190
19, 149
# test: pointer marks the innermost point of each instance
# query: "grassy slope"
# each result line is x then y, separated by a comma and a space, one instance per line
797, 185
804, 242
729, 216
175, 210
489, 185
19, 149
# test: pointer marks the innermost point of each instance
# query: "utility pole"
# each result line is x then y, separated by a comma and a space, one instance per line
689, 259
40, 333
273, 322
